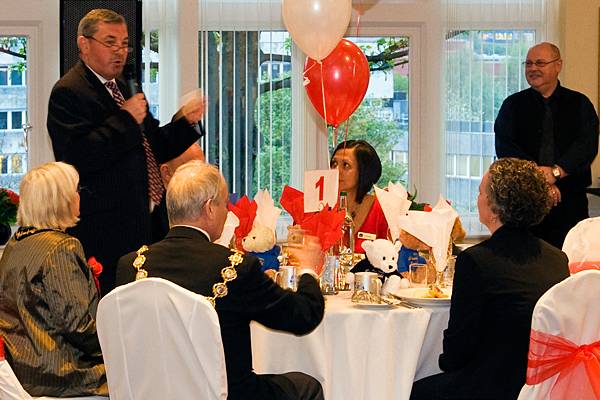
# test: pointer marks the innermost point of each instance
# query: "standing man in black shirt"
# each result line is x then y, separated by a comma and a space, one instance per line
558, 129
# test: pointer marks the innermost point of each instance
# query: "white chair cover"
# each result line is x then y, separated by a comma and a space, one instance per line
10, 387
569, 310
582, 245
160, 341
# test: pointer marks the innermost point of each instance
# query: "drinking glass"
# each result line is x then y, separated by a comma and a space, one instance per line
449, 271
417, 275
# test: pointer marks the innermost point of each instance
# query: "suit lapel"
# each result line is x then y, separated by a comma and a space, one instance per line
102, 95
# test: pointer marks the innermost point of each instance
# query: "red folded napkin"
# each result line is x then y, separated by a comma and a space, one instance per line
326, 225
292, 201
245, 210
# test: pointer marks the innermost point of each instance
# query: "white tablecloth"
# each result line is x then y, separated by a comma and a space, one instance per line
356, 353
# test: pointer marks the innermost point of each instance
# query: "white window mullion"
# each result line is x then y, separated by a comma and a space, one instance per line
234, 125
258, 113
247, 152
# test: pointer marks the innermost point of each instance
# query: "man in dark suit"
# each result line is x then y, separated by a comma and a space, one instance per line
197, 207
160, 219
106, 132
558, 129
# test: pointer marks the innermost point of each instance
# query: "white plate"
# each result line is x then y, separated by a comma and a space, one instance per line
417, 297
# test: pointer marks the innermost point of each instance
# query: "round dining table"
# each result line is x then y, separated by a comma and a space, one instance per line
358, 352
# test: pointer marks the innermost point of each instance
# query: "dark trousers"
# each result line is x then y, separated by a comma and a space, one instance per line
444, 387
561, 218
288, 386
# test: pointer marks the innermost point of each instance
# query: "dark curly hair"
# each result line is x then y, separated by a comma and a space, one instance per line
369, 165
518, 192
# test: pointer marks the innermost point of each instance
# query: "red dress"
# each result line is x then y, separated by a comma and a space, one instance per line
375, 223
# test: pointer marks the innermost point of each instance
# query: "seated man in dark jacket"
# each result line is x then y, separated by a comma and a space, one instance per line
197, 208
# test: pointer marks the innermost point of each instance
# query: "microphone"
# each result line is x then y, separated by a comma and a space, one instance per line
129, 76
132, 84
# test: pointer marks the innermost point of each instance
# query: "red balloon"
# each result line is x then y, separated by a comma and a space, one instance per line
344, 75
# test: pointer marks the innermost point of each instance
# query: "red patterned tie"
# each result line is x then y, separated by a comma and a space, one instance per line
155, 186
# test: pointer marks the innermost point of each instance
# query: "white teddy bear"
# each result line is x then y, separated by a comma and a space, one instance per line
382, 258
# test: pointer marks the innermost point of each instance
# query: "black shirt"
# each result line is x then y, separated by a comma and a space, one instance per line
519, 132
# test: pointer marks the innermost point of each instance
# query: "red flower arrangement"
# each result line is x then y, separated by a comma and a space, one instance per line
9, 202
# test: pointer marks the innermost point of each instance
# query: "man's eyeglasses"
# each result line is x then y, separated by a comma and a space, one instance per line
112, 46
538, 63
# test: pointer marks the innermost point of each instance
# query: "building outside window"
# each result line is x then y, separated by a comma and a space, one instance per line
13, 106
483, 67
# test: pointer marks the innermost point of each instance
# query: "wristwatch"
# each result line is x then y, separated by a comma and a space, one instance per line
556, 172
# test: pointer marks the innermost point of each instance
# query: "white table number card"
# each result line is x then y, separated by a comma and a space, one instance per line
320, 189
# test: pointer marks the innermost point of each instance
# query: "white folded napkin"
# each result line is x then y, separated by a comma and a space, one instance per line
433, 228
394, 202
266, 212
231, 223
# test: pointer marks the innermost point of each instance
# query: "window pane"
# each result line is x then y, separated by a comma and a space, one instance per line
482, 69
13, 111
17, 120
247, 78
16, 77
382, 117
17, 164
150, 64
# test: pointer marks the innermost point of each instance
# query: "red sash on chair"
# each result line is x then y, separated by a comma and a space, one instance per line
578, 367
1, 349
578, 266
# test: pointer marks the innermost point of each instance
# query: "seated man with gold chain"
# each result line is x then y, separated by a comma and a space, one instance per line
240, 292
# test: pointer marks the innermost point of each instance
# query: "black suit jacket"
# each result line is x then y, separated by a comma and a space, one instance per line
187, 258
160, 221
496, 286
104, 143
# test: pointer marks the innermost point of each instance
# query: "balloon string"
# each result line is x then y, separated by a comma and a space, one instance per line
323, 97
311, 67
347, 129
335, 136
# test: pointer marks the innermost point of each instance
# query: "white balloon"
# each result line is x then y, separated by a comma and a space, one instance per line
317, 26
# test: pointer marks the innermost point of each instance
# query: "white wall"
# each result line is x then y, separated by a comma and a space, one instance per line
579, 47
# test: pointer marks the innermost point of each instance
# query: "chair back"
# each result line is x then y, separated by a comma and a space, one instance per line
565, 318
161, 341
582, 245
10, 387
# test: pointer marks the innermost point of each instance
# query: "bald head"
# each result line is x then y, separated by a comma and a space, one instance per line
542, 67
194, 152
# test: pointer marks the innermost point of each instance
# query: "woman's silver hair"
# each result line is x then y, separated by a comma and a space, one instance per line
518, 192
192, 185
47, 194
88, 25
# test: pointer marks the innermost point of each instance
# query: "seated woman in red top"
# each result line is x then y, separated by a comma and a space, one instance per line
360, 168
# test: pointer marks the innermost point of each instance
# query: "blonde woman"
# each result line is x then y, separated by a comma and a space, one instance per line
48, 298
